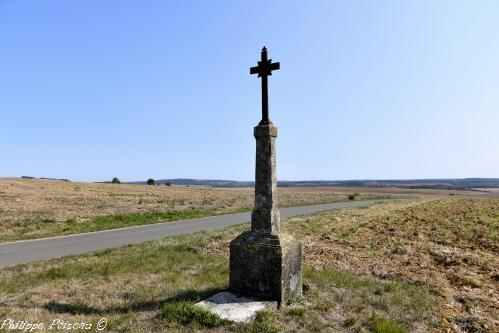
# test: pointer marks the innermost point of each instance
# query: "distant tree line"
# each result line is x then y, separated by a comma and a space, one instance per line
45, 178
150, 181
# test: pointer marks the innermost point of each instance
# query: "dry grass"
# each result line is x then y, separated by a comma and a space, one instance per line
424, 265
151, 286
449, 246
40, 208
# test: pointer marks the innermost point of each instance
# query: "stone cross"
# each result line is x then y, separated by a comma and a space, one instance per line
264, 262
265, 217
264, 69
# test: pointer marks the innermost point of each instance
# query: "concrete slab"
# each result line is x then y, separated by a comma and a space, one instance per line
237, 309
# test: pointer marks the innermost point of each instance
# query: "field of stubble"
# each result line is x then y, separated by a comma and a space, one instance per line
33, 208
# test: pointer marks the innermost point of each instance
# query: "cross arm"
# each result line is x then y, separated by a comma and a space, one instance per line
254, 70
265, 68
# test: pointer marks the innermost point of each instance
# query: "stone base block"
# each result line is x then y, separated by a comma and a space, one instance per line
266, 266
237, 309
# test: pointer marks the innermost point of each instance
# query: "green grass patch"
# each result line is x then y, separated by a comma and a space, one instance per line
32, 229
323, 306
175, 260
263, 322
298, 312
129, 219
185, 313
385, 325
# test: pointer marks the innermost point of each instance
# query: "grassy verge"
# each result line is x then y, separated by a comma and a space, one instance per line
153, 287
47, 227
32, 229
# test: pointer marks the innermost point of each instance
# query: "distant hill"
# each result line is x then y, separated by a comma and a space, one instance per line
465, 183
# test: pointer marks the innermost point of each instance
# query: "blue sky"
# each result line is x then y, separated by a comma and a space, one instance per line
90, 90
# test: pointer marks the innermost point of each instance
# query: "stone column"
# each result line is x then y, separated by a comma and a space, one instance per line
265, 263
265, 217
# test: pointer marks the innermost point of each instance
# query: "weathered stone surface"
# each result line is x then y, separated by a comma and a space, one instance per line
231, 307
266, 266
265, 217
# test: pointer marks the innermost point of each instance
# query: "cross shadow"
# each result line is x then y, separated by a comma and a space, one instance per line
132, 306
231, 297
71, 308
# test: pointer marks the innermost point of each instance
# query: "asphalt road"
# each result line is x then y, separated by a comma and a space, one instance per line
19, 252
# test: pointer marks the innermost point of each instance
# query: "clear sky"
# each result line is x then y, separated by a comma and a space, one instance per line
90, 90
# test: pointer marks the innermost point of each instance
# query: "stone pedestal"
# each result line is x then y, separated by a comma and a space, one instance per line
264, 262
266, 266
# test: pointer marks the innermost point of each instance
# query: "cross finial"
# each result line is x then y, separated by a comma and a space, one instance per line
264, 69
